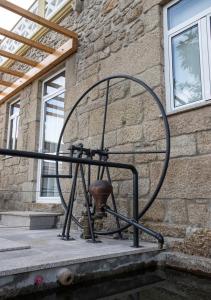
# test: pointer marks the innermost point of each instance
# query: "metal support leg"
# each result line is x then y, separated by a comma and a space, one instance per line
68, 216
135, 210
87, 204
114, 202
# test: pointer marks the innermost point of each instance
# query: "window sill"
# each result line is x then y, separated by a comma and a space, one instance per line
189, 108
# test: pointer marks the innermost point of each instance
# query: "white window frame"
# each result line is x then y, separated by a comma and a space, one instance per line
203, 21
44, 99
10, 118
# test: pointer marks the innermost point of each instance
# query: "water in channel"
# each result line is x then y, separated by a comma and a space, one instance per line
159, 284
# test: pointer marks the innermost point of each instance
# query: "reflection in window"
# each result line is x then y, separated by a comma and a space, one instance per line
186, 67
52, 126
184, 10
48, 185
53, 85
54, 117
13, 125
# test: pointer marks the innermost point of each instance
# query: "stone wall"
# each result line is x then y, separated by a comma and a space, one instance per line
127, 37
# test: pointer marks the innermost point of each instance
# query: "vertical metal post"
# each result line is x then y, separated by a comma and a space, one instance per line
135, 209
87, 204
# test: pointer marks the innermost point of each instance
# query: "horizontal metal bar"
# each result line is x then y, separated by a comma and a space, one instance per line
56, 176
136, 152
52, 157
151, 232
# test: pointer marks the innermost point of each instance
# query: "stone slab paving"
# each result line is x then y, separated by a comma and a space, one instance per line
47, 250
8, 245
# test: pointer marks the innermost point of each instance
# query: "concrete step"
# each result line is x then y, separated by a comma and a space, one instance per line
29, 219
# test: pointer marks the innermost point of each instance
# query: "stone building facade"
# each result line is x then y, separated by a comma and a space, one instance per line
120, 36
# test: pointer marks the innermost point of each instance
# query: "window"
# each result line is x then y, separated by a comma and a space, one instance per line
51, 125
14, 112
187, 28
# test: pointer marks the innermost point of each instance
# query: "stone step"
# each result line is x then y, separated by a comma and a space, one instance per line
29, 219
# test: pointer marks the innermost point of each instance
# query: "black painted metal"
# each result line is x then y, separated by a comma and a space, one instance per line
138, 226
103, 165
102, 152
78, 161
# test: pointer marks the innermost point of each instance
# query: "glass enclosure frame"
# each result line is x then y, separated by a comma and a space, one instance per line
13, 117
45, 99
203, 21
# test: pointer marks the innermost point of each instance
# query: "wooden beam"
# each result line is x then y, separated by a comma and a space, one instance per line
37, 19
11, 72
26, 41
42, 68
19, 58
5, 83
42, 31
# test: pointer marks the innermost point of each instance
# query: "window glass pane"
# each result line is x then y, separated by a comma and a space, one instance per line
53, 122
186, 67
54, 117
52, 126
184, 10
48, 185
15, 108
12, 134
54, 84
13, 125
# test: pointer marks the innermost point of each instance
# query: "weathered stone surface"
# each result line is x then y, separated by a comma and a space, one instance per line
134, 13
157, 211
204, 142
198, 214
149, 4
124, 4
129, 134
148, 57
197, 244
176, 211
187, 178
183, 145
192, 121
151, 18
167, 229
152, 77
111, 4
153, 130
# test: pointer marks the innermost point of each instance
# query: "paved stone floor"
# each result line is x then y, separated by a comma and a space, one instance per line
24, 250
31, 256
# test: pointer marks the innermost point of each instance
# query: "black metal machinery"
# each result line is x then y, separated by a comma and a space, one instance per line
96, 193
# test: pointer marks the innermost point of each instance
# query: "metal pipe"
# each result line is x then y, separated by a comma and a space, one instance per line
87, 204
138, 152
151, 232
135, 210
53, 157
56, 176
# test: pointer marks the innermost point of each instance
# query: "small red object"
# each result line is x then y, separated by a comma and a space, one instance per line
38, 280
